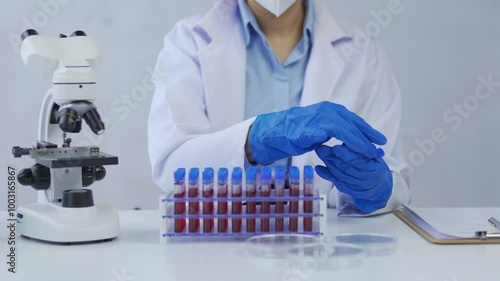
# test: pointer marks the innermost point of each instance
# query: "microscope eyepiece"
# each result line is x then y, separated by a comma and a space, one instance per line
94, 121
28, 33
78, 33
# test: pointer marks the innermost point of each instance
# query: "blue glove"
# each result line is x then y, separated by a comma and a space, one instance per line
367, 180
292, 132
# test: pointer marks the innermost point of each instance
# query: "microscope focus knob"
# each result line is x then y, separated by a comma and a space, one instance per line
28, 33
77, 198
37, 177
91, 174
100, 173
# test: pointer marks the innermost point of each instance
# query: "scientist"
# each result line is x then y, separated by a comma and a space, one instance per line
280, 82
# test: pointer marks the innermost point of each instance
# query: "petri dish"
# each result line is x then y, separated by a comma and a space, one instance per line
373, 244
335, 256
277, 245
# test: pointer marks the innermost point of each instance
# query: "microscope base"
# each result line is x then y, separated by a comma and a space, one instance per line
52, 223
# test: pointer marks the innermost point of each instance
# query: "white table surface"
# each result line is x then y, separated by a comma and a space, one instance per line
137, 256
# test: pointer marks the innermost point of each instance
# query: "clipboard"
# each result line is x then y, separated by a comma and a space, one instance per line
405, 214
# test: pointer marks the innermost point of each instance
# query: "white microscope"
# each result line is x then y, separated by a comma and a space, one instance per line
65, 211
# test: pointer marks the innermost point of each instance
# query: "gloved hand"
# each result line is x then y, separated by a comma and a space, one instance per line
292, 132
367, 180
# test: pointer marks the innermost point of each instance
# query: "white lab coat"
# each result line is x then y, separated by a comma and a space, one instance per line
197, 113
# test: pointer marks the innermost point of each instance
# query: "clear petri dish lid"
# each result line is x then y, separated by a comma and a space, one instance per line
277, 245
335, 256
373, 244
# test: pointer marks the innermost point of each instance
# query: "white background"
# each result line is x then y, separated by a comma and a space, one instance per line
438, 49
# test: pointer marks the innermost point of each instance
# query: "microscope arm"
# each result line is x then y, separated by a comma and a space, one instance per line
48, 129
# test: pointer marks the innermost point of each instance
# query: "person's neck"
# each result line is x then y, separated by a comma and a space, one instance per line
290, 23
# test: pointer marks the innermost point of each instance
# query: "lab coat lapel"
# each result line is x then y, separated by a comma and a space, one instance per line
223, 63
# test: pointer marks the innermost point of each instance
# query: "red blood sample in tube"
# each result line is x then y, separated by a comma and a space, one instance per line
194, 207
294, 192
265, 191
179, 192
222, 206
251, 192
279, 187
236, 192
208, 192
308, 192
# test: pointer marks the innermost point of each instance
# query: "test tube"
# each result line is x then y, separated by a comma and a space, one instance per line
208, 192
236, 191
265, 191
308, 192
294, 192
179, 192
222, 205
251, 191
194, 207
279, 187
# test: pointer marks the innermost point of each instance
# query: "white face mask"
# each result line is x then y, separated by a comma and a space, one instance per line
277, 7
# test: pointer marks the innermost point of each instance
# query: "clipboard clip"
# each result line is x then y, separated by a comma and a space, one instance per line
485, 235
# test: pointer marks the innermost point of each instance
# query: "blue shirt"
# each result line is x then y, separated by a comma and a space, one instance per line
270, 85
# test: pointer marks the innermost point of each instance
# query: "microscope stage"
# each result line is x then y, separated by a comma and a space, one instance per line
71, 157
62, 161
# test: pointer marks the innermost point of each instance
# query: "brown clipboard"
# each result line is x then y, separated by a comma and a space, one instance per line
459, 241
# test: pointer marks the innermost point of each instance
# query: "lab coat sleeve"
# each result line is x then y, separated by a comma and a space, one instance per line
179, 131
380, 106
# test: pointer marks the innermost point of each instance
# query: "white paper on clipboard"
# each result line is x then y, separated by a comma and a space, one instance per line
453, 223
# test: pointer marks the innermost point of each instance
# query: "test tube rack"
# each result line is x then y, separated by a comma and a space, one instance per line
283, 222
